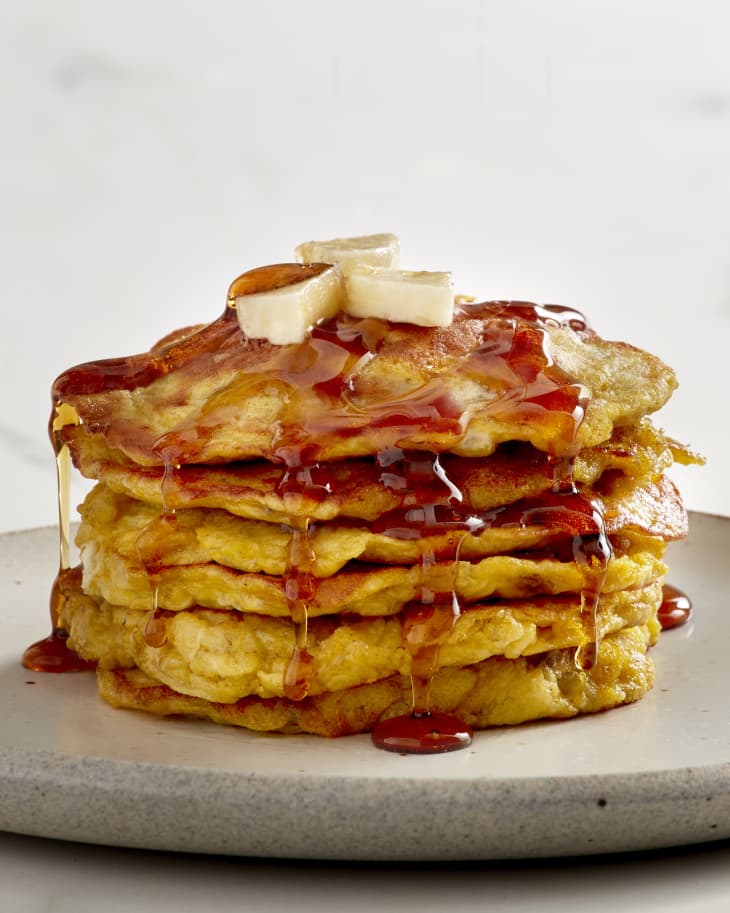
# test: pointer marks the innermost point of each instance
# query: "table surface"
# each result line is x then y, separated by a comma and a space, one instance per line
37, 874
149, 160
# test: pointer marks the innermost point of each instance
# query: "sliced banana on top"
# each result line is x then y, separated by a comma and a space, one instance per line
372, 250
283, 302
376, 287
359, 275
423, 298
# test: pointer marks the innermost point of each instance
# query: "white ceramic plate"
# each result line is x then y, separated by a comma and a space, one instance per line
653, 774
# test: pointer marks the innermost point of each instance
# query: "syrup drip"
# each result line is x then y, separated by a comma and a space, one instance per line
433, 505
581, 519
299, 587
574, 519
676, 608
153, 540
52, 654
299, 581
155, 629
429, 620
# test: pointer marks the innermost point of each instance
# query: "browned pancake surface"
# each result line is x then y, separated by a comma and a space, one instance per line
357, 387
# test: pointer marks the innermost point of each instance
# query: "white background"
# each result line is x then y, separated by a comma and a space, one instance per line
572, 152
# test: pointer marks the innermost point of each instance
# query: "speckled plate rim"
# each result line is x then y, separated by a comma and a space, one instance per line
652, 775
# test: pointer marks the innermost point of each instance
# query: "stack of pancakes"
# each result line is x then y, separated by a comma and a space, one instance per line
383, 518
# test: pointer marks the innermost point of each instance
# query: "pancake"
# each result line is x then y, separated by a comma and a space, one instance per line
374, 525
496, 692
361, 589
362, 386
222, 656
137, 532
354, 488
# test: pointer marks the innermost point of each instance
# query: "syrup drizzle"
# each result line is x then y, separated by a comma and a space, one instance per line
52, 654
152, 541
299, 582
430, 618
432, 503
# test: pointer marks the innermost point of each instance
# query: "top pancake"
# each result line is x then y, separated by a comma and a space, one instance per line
354, 388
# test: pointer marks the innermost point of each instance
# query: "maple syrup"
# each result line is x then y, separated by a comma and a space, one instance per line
52, 654
675, 609
428, 495
135, 371
299, 583
270, 278
156, 537
422, 733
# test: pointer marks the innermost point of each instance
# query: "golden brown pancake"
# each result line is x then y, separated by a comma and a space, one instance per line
516, 470
361, 589
137, 532
496, 692
221, 656
221, 397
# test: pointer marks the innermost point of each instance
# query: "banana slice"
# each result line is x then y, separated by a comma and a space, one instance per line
372, 250
423, 298
282, 303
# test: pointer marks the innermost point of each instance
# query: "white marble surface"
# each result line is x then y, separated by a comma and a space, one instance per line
558, 151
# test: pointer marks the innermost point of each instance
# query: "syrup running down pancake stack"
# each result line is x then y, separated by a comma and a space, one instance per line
384, 525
